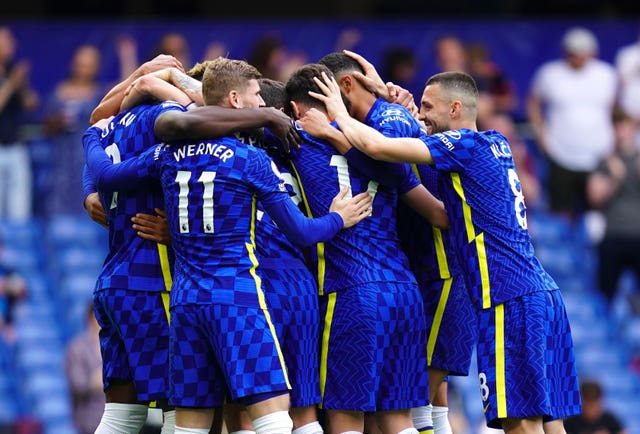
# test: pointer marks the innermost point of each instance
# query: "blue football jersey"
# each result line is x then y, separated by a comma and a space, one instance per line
132, 262
483, 197
211, 191
367, 252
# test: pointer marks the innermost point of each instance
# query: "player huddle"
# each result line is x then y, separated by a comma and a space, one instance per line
326, 274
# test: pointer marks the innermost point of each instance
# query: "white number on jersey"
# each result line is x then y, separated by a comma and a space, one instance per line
518, 205
114, 153
206, 178
340, 163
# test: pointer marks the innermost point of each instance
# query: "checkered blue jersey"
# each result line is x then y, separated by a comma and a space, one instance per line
430, 249
367, 252
420, 240
132, 262
271, 243
484, 201
211, 189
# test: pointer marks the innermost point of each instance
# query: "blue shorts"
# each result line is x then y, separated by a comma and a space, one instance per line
526, 363
292, 297
219, 348
372, 355
451, 324
134, 340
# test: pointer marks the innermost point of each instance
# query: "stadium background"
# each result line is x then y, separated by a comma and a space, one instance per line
62, 255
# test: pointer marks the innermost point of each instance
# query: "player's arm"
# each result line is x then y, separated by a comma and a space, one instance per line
214, 121
92, 202
427, 205
110, 176
150, 89
389, 91
110, 104
365, 138
303, 231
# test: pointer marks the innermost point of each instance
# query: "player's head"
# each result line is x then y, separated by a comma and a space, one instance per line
298, 86
273, 93
197, 70
343, 68
231, 83
449, 101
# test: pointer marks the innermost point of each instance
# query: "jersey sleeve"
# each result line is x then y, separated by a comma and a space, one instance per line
88, 186
110, 176
302, 230
451, 150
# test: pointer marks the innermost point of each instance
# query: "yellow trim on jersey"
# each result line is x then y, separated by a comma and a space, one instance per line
479, 240
437, 318
441, 254
166, 275
501, 392
320, 245
466, 210
484, 271
324, 350
261, 299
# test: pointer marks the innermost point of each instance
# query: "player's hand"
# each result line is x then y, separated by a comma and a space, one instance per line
330, 96
159, 62
351, 209
371, 79
402, 96
316, 123
152, 227
102, 123
95, 210
283, 127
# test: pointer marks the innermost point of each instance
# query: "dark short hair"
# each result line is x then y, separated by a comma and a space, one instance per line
273, 93
301, 82
340, 64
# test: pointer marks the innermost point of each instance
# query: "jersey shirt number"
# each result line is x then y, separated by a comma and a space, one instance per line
206, 178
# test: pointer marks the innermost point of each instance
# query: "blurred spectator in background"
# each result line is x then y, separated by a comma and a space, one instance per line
83, 367
450, 54
271, 57
400, 66
595, 419
67, 113
13, 289
570, 107
627, 63
17, 99
176, 45
490, 78
614, 188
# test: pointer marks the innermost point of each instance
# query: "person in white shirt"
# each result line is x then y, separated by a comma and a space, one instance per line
570, 107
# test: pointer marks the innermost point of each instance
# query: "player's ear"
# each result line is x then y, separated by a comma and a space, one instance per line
455, 109
234, 99
295, 110
346, 83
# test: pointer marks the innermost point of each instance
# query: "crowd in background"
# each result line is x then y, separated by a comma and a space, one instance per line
576, 148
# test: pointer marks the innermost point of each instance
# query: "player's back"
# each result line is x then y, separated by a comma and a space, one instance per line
211, 190
367, 252
486, 208
132, 262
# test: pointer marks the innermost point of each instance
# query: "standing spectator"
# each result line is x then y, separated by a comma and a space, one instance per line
17, 98
490, 78
83, 367
13, 288
570, 110
174, 44
627, 63
67, 114
614, 187
594, 418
